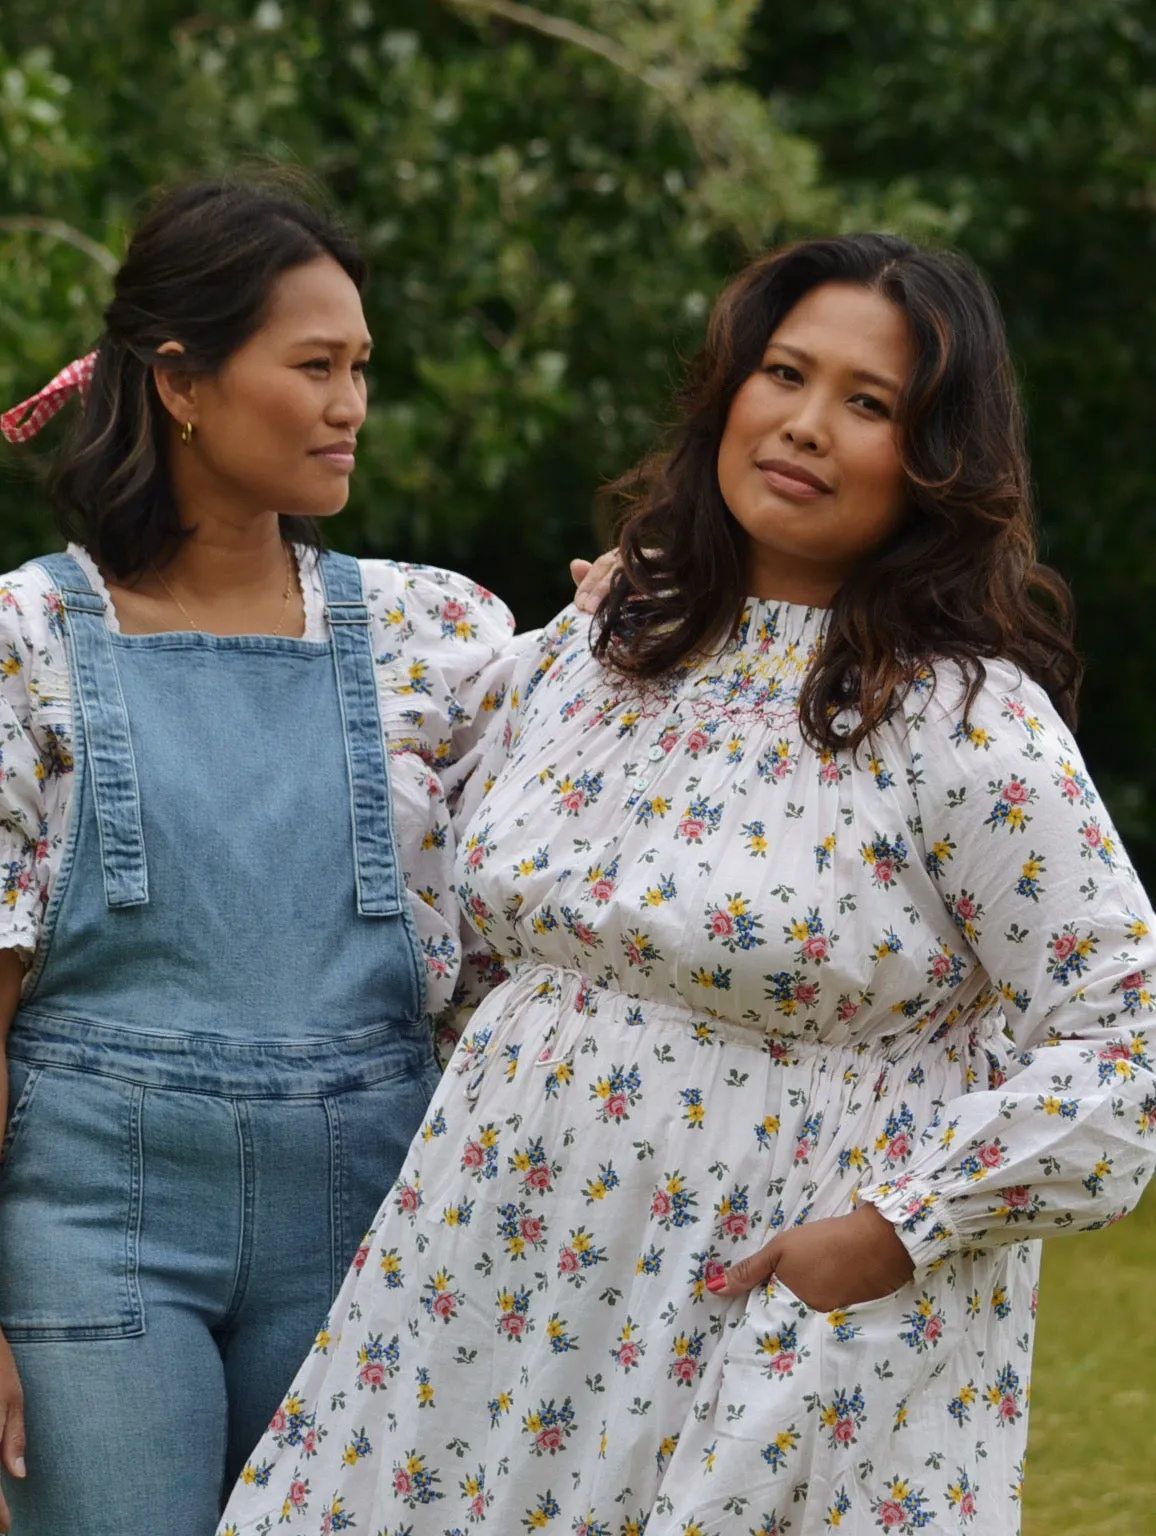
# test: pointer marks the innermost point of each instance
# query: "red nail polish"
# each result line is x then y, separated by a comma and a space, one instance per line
717, 1283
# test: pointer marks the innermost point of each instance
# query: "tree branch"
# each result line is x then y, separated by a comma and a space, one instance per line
56, 229
564, 32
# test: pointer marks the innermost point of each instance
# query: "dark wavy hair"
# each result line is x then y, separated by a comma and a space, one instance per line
958, 581
200, 269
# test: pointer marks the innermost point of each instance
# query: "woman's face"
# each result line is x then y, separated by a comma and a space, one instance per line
276, 428
809, 463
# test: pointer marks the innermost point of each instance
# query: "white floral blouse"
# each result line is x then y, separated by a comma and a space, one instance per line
749, 984
438, 641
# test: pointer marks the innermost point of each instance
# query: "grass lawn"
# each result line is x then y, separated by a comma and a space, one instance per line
1092, 1460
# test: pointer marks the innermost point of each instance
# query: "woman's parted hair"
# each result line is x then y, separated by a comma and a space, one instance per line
200, 270
959, 580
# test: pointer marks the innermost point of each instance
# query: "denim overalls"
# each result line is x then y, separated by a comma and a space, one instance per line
218, 1064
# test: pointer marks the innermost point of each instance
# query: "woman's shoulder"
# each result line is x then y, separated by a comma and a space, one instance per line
29, 604
429, 603
981, 708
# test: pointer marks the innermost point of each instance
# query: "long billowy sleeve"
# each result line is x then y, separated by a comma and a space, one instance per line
1031, 869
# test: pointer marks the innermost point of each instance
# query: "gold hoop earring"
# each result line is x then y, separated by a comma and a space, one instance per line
187, 433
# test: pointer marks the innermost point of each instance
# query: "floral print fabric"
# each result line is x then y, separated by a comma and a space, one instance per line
441, 644
747, 983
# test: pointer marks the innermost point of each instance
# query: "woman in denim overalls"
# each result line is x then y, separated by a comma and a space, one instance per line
222, 1047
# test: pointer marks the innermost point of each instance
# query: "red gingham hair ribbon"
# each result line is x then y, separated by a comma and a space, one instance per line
25, 420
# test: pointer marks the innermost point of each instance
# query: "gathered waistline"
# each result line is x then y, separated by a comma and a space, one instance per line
580, 995
217, 1064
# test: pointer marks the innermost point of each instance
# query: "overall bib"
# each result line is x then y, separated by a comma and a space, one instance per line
218, 1064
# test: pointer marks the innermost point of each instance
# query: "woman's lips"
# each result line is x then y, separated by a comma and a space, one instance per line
340, 456
792, 480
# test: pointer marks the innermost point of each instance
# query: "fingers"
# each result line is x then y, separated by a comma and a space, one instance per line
593, 579
12, 1441
588, 596
745, 1274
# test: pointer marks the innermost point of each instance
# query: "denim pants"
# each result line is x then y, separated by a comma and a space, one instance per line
218, 1064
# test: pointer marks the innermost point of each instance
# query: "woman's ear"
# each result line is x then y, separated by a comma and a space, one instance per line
177, 390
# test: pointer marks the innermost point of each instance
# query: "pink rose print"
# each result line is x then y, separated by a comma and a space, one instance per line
549, 1439
372, 1373
445, 1305
684, 1369
990, 1155
602, 890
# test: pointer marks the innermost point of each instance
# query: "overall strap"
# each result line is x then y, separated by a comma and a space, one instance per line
105, 738
380, 892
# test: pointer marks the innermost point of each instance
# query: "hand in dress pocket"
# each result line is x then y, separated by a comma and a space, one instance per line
839, 1261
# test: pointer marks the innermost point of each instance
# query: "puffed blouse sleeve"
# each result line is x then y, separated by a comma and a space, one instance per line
1033, 873
35, 750
532, 657
443, 649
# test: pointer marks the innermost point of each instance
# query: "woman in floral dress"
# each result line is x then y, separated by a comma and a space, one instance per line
823, 989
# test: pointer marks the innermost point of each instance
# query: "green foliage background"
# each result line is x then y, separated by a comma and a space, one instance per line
552, 195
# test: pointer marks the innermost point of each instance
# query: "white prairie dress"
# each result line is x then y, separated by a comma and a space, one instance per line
749, 983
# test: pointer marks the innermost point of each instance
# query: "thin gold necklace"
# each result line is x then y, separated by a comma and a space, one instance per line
192, 623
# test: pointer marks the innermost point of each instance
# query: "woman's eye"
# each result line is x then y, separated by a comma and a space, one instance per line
362, 367
783, 371
873, 404
321, 363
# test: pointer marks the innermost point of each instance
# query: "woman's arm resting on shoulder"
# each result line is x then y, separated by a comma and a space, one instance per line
11, 1396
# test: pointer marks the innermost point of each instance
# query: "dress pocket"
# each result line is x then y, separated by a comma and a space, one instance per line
842, 1377
70, 1191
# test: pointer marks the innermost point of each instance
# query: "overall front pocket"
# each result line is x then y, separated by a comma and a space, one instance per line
70, 1198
